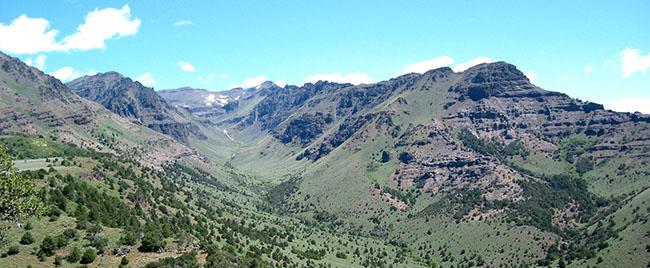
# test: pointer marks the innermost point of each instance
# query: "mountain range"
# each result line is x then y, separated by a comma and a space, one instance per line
472, 168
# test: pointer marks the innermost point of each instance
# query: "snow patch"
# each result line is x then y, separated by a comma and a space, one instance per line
228, 135
213, 99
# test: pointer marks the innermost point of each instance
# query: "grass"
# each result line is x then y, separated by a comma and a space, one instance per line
629, 247
613, 177
34, 147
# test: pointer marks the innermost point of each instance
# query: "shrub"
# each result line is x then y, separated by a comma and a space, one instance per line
101, 245
583, 165
27, 238
88, 256
48, 246
406, 157
74, 256
124, 261
385, 156
129, 237
13, 250
70, 233
152, 241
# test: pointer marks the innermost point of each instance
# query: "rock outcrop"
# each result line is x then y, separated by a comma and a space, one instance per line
130, 99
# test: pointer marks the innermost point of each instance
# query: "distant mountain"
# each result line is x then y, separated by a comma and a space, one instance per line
191, 98
131, 99
217, 106
205, 103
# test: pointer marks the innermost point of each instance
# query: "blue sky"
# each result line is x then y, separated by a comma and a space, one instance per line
592, 50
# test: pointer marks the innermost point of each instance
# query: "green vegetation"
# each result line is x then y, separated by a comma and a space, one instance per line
74, 256
280, 193
27, 239
124, 204
573, 146
113, 211
19, 198
489, 147
557, 192
30, 147
186, 260
13, 250
88, 256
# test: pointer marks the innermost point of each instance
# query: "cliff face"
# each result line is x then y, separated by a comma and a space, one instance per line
215, 106
131, 99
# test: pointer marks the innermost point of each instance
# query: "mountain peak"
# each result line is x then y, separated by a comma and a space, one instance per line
267, 84
110, 74
494, 79
129, 98
443, 70
495, 71
20, 70
112, 88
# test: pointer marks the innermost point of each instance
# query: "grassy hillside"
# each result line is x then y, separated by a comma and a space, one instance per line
110, 207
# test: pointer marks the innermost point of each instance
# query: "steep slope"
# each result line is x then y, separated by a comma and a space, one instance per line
34, 103
145, 197
480, 149
131, 99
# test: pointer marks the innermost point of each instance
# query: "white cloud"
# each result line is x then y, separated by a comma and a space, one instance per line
101, 25
182, 23
27, 36
630, 105
186, 66
33, 35
424, 66
352, 78
531, 76
471, 63
146, 79
588, 69
223, 75
632, 61
250, 82
68, 73
38, 63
